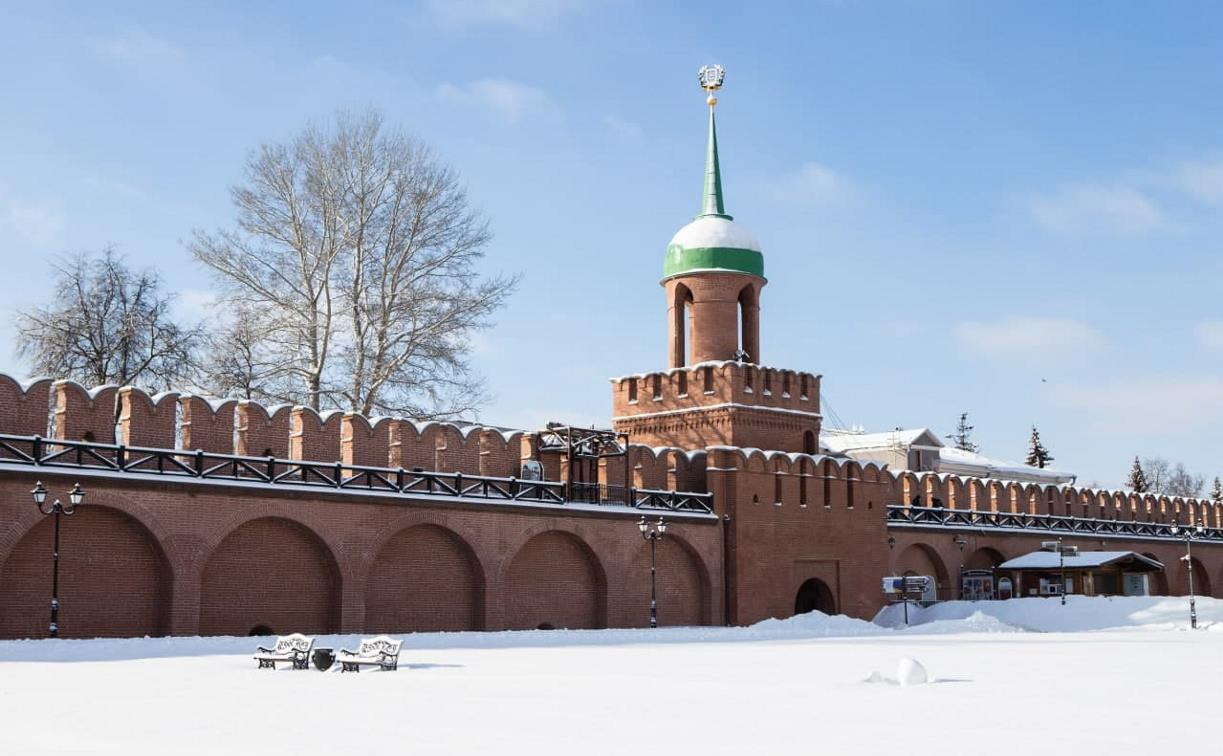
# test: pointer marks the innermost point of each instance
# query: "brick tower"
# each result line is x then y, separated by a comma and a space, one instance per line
715, 390
713, 272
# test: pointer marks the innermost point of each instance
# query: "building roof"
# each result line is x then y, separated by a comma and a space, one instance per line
1049, 560
952, 460
899, 438
713, 241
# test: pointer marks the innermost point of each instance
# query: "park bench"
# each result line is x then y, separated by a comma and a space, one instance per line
294, 649
382, 652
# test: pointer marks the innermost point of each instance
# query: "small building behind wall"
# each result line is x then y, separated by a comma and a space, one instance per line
1091, 573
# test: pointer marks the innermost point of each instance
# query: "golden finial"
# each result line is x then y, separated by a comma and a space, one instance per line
711, 78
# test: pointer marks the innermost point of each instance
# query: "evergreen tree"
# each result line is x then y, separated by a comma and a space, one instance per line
962, 438
1216, 492
1137, 481
1038, 455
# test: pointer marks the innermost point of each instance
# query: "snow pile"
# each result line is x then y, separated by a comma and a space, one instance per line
908, 672
1081, 613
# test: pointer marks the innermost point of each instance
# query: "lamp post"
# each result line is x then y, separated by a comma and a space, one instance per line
1062, 551
652, 532
57, 508
1191, 531
960, 541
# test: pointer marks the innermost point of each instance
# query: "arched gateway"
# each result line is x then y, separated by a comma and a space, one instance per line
815, 595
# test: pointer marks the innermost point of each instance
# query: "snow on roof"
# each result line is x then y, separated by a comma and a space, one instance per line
956, 460
846, 441
1049, 560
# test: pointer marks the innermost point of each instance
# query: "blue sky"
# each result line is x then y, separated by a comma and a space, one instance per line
1010, 209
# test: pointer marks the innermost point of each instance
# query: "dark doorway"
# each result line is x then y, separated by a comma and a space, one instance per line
809, 446
814, 594
260, 630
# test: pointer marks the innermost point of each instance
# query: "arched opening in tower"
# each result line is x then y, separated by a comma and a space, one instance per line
814, 595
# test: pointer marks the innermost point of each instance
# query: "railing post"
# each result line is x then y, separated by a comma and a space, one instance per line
120, 457
37, 450
339, 475
458, 484
271, 469
632, 496
399, 480
199, 463
513, 487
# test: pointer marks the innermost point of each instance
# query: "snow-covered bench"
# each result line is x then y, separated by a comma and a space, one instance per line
381, 652
293, 648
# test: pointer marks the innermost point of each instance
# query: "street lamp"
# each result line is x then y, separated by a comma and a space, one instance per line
57, 508
652, 532
1191, 532
960, 541
1062, 551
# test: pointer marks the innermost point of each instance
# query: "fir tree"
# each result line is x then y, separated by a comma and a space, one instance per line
1216, 492
1137, 481
962, 437
1038, 455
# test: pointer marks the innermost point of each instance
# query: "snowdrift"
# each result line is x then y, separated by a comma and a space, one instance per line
954, 617
1047, 615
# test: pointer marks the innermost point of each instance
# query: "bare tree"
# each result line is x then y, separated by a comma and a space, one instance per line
362, 249
1182, 483
108, 324
1172, 480
1157, 471
236, 360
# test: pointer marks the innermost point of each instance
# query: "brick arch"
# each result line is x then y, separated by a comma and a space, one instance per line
115, 579
554, 579
984, 558
424, 577
683, 584
922, 559
1201, 578
271, 571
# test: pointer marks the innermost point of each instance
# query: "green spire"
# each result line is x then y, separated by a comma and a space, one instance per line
713, 204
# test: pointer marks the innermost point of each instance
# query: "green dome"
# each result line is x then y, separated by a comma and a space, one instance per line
713, 241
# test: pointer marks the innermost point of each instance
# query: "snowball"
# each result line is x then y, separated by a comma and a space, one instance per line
911, 672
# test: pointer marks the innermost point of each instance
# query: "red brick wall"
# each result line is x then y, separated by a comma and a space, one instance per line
424, 578
145, 422
364, 444
554, 580
205, 427
82, 414
24, 412
260, 433
270, 572
114, 578
681, 585
313, 437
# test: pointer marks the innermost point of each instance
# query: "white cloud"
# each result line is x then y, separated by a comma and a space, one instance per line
623, 129
35, 221
1165, 405
524, 14
1210, 333
510, 99
1090, 208
1201, 179
1024, 337
814, 184
138, 47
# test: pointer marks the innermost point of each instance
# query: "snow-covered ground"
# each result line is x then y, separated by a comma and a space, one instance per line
1146, 685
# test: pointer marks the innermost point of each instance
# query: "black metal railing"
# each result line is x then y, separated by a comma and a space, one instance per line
938, 517
88, 455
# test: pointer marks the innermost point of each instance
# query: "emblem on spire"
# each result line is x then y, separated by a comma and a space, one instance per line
711, 78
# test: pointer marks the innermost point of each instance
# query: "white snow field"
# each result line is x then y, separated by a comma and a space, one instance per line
1136, 682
